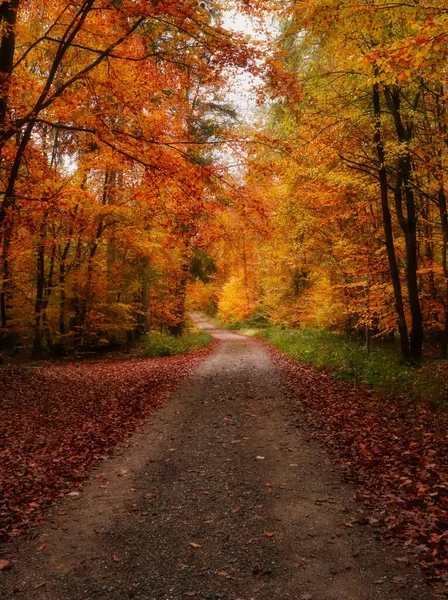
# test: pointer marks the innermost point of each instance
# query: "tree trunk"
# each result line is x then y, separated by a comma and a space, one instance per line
387, 225
5, 283
408, 224
40, 290
8, 19
179, 309
444, 222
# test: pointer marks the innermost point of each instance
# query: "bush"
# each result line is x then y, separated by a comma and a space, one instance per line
156, 344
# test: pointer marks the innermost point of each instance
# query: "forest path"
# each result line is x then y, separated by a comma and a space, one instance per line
220, 495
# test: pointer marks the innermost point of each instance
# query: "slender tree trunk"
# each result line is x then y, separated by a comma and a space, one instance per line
8, 20
408, 224
179, 307
85, 305
143, 317
412, 267
40, 290
5, 286
387, 225
63, 270
146, 298
47, 295
444, 221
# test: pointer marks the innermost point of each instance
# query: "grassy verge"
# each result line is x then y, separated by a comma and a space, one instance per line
247, 325
380, 369
155, 344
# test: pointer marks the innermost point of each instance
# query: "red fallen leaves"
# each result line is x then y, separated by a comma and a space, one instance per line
396, 451
59, 419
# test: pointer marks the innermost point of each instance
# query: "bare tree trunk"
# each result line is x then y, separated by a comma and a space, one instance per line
40, 290
8, 20
5, 282
404, 187
179, 308
444, 222
387, 225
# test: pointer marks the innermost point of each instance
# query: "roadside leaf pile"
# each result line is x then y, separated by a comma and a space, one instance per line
58, 420
395, 450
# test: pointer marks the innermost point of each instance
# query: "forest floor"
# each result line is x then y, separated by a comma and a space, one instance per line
223, 492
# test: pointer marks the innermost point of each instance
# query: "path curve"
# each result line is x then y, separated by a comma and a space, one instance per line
221, 495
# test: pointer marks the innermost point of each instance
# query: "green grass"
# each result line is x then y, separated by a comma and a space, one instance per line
254, 323
155, 344
381, 369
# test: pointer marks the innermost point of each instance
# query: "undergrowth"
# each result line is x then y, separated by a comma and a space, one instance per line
381, 368
156, 344
256, 322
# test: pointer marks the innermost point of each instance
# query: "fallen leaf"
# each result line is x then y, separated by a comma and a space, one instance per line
269, 533
223, 573
194, 545
115, 558
5, 564
42, 547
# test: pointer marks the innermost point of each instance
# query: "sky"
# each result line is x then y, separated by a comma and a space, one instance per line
242, 94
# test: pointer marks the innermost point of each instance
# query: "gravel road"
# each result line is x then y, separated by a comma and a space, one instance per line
221, 495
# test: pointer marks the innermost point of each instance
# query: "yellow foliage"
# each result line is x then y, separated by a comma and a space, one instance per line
235, 302
200, 296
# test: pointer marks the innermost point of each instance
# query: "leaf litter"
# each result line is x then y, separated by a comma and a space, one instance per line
395, 451
59, 419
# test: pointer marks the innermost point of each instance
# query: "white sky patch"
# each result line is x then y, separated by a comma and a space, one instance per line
242, 88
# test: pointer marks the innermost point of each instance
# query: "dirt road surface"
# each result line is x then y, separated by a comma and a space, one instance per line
221, 495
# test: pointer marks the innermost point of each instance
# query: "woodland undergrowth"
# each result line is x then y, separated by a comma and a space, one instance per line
154, 344
381, 367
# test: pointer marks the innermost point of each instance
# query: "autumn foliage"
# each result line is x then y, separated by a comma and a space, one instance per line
109, 116
350, 169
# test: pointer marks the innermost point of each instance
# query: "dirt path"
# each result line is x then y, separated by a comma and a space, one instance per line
221, 495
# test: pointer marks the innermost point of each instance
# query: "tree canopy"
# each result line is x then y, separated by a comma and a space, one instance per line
120, 198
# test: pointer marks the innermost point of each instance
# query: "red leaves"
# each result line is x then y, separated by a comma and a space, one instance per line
395, 450
5, 564
58, 420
